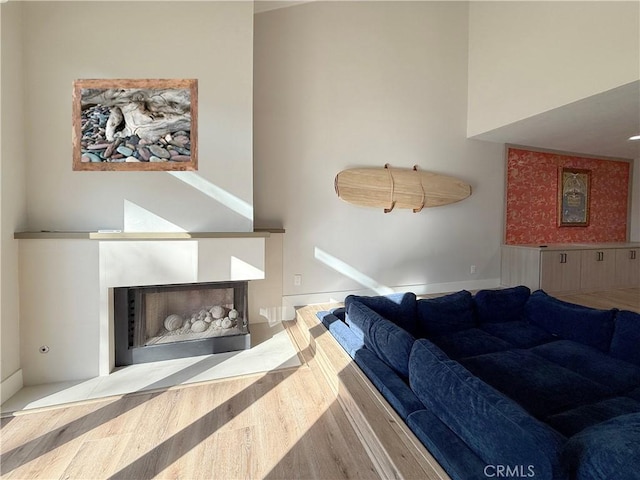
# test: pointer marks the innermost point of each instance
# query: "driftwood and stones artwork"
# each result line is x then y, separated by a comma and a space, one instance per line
135, 125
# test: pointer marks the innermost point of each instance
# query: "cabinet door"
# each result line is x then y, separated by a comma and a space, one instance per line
627, 267
560, 271
520, 266
598, 270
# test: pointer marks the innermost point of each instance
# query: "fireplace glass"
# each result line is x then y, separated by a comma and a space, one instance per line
173, 321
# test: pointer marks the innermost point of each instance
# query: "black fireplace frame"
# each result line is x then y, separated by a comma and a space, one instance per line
126, 301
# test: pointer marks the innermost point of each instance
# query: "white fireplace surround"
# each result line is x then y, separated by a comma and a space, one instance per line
67, 291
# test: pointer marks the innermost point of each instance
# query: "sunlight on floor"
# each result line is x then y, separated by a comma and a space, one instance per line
271, 349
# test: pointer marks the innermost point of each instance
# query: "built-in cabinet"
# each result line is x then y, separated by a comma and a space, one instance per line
568, 268
627, 267
560, 271
597, 269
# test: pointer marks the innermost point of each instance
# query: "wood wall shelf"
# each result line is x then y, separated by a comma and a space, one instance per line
70, 235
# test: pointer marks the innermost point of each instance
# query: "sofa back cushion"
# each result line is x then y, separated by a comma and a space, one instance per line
625, 344
506, 305
585, 325
399, 308
447, 314
497, 429
388, 341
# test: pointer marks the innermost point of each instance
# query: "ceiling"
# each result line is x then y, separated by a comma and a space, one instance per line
598, 125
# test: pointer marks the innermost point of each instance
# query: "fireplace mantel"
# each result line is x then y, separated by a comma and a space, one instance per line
118, 235
67, 281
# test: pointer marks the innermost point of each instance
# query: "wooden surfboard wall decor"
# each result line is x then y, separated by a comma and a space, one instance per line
389, 188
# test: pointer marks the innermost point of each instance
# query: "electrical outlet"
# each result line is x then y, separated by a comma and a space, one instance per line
297, 279
472, 269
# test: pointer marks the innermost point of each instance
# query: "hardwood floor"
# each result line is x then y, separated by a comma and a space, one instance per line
624, 299
281, 425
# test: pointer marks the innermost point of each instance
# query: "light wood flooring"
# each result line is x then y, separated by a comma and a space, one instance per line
280, 425
285, 424
624, 299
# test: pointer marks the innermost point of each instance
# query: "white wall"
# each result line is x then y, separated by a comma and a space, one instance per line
12, 192
348, 84
60, 309
209, 41
526, 58
45, 47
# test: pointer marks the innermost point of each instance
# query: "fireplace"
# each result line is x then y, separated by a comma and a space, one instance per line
162, 322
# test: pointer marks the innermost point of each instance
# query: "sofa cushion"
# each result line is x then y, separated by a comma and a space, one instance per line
339, 312
400, 308
635, 394
625, 343
591, 363
575, 420
608, 450
494, 427
504, 305
446, 314
468, 343
387, 340
569, 321
538, 385
520, 334
341, 332
448, 449
394, 390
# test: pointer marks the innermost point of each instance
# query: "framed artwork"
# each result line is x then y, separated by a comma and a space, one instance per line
574, 189
137, 124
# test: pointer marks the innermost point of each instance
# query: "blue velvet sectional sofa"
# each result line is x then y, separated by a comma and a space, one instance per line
504, 383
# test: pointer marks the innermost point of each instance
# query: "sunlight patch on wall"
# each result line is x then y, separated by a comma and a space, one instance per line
348, 271
215, 192
139, 219
241, 270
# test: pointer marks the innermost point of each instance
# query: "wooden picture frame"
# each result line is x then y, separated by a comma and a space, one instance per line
574, 196
135, 125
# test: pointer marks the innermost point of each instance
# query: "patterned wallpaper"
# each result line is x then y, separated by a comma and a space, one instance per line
532, 184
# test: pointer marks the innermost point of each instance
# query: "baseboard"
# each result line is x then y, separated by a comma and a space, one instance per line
10, 386
290, 302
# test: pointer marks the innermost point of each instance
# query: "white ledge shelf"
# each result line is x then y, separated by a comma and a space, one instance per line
61, 235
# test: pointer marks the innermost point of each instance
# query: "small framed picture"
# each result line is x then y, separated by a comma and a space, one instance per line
574, 189
136, 124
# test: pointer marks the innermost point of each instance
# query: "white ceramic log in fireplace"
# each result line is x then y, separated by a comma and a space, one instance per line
68, 281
